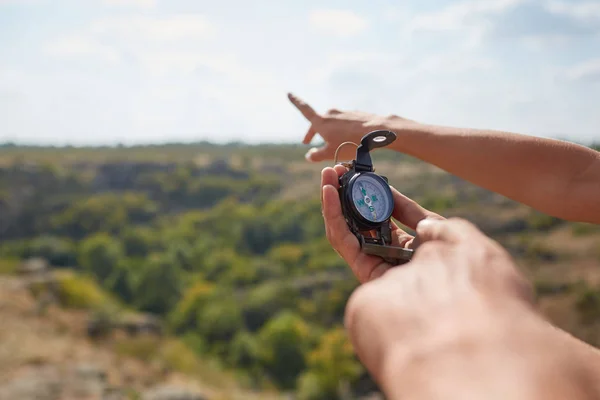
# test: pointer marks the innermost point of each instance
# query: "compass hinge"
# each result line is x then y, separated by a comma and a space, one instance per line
362, 167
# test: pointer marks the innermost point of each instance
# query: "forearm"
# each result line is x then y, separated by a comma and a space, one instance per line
534, 363
491, 373
535, 171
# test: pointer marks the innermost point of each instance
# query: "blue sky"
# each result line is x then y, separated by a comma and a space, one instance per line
147, 71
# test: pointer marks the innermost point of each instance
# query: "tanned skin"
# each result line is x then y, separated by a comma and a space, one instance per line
556, 177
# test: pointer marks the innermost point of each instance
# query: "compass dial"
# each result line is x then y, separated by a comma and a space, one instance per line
372, 198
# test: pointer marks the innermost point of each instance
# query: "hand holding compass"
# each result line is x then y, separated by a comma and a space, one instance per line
358, 207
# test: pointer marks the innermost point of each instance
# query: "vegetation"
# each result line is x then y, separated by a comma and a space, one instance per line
226, 245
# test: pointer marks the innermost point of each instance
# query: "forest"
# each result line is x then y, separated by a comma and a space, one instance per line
225, 244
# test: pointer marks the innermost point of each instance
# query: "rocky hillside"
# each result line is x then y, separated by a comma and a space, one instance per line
47, 354
178, 263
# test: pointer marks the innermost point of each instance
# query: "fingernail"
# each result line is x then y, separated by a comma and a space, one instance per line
427, 222
309, 154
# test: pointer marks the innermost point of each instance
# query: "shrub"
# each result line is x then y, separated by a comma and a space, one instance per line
159, 285
542, 222
57, 251
310, 387
8, 266
138, 241
77, 291
263, 302
176, 356
543, 288
283, 344
581, 229
540, 251
144, 348
244, 351
588, 305
184, 315
331, 364
220, 320
99, 255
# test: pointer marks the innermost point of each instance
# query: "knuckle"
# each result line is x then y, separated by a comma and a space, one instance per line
433, 215
460, 222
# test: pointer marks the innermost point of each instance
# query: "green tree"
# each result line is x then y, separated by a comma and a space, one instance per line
290, 256
60, 252
244, 351
330, 365
124, 278
139, 241
220, 263
283, 344
220, 320
159, 286
107, 212
184, 315
99, 255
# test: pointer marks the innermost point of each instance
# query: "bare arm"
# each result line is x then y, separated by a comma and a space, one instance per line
556, 177
457, 322
535, 365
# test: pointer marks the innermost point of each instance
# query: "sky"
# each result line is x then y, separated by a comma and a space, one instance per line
91, 72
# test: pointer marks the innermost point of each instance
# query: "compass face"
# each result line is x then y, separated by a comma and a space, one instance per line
372, 198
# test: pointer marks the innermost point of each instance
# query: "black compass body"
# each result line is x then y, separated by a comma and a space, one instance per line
368, 202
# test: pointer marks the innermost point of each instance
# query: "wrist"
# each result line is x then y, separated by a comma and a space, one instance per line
408, 132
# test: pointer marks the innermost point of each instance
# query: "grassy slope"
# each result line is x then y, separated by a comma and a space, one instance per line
30, 342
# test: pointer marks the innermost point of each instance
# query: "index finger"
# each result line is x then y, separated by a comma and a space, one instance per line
408, 211
306, 110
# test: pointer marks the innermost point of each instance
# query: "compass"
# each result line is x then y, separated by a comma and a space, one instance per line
368, 202
371, 197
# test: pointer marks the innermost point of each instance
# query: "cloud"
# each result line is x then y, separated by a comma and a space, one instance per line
472, 19
399, 82
341, 23
131, 3
462, 15
586, 71
18, 2
168, 28
214, 68
584, 11
536, 20
81, 46
338, 61
146, 4
532, 22
161, 45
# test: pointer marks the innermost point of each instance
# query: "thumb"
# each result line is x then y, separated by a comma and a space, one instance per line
317, 154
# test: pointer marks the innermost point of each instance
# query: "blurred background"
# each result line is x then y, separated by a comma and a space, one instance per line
160, 231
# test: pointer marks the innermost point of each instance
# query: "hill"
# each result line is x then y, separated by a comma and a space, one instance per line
47, 353
225, 247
